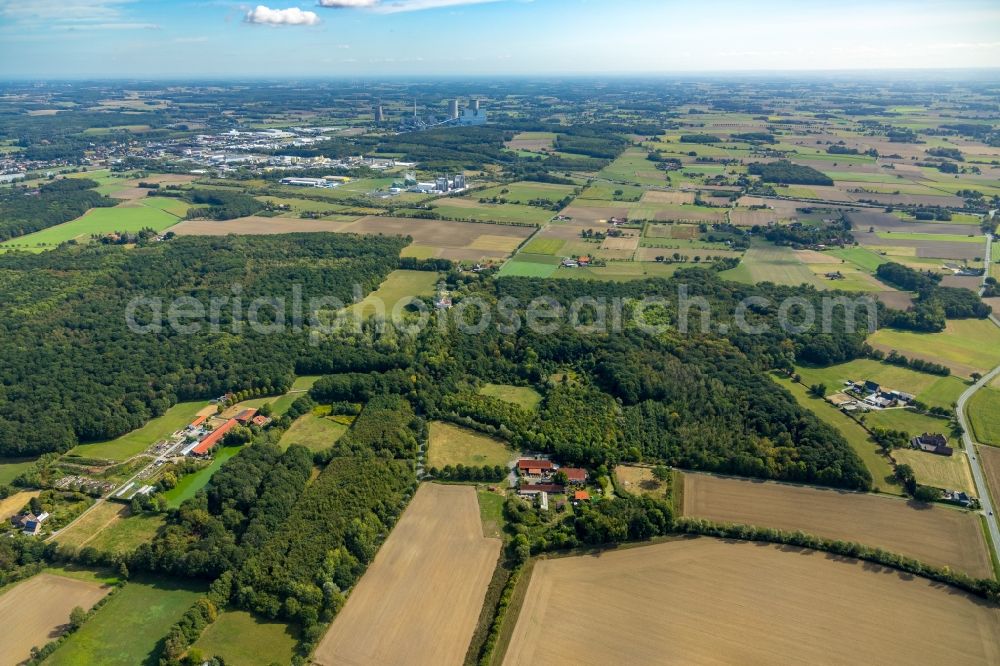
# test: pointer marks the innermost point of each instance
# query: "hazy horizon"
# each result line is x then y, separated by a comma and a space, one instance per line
217, 39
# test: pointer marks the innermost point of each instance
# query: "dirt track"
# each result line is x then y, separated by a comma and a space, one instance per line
707, 601
36, 611
935, 535
420, 600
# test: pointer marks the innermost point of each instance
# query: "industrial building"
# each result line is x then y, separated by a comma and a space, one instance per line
308, 182
441, 185
473, 115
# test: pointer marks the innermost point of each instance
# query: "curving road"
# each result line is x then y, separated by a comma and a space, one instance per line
970, 445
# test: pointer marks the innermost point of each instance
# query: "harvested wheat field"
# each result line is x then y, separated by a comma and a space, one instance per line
707, 601
11, 505
630, 243
254, 226
420, 600
36, 611
660, 196
934, 535
450, 240
83, 531
594, 214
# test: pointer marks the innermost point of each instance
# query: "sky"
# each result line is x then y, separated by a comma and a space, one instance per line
376, 38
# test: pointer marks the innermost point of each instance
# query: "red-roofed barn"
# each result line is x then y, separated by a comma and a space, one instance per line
205, 445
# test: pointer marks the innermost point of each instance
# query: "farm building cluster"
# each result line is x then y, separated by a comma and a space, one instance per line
540, 477
570, 262
871, 395
29, 523
204, 433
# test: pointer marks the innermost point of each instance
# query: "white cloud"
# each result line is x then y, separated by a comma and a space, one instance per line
291, 16
347, 4
397, 6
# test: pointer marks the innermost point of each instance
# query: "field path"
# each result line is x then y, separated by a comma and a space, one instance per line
970, 445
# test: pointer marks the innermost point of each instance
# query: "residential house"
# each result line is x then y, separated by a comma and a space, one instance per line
957, 497
535, 467
32, 524
581, 496
933, 443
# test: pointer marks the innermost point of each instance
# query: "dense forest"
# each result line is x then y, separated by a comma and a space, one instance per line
836, 232
24, 212
221, 205
786, 173
74, 371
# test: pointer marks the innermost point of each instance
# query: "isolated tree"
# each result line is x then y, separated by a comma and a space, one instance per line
661, 473
77, 617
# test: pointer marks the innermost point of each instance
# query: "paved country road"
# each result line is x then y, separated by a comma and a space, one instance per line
970, 445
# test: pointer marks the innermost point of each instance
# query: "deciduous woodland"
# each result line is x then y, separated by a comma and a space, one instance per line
75, 372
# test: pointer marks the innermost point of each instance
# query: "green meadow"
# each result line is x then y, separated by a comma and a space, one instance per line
984, 415
243, 639
966, 345
932, 390
522, 396
127, 630
188, 486
765, 263
136, 441
154, 213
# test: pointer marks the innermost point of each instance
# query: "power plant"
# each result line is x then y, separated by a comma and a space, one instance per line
470, 115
